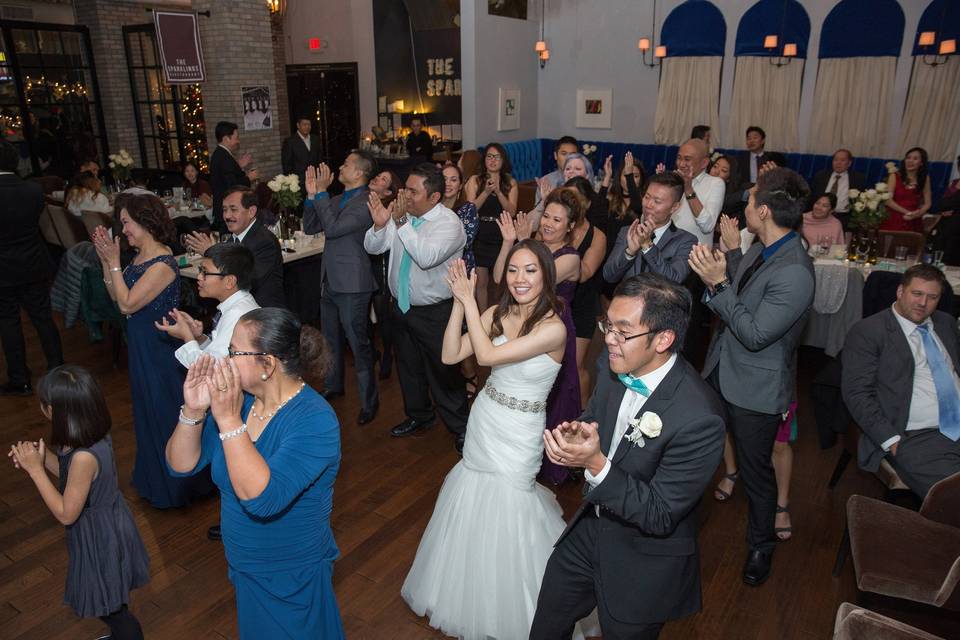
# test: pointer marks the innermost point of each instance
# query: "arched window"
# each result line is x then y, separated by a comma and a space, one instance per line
695, 34
859, 45
764, 93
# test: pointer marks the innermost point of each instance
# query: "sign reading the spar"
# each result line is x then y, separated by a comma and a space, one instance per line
441, 81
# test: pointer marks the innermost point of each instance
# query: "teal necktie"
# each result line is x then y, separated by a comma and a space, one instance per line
948, 399
634, 384
403, 274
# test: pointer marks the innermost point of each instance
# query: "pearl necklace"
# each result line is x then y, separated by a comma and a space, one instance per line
279, 406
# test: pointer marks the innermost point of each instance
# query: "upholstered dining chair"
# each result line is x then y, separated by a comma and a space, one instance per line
905, 554
857, 623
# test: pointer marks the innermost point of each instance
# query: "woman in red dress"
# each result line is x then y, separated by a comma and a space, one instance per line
910, 187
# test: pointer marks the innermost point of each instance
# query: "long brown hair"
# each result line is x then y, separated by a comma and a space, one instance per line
571, 200
506, 169
461, 197
616, 197
547, 303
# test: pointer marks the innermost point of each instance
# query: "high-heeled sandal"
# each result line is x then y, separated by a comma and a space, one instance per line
780, 531
722, 496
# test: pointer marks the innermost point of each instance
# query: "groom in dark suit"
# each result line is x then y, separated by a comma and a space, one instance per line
650, 440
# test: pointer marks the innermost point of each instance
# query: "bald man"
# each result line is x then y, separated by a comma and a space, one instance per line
702, 193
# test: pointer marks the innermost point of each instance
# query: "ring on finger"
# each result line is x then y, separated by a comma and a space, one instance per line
221, 388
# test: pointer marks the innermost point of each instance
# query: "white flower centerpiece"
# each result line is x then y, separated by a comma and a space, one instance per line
120, 164
286, 197
868, 210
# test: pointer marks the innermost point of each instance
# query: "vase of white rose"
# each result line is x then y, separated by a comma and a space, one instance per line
286, 198
868, 210
120, 164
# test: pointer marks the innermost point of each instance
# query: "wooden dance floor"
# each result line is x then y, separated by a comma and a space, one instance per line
382, 502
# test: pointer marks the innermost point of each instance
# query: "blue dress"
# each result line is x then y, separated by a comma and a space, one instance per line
279, 545
156, 385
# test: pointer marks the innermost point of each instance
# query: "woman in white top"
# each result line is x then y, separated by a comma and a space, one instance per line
84, 195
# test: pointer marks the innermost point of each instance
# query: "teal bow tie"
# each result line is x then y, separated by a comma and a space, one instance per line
634, 384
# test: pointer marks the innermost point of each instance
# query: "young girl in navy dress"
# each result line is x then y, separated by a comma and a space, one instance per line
106, 554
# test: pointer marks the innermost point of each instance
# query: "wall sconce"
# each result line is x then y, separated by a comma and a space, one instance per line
544, 56
947, 48
543, 53
770, 42
645, 45
927, 38
789, 51
277, 6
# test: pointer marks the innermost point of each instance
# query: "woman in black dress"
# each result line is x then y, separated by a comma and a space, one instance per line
493, 191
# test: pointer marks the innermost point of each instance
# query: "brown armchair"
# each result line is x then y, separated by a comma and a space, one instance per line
857, 623
904, 554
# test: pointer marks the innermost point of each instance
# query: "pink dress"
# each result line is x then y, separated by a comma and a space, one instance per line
909, 198
813, 229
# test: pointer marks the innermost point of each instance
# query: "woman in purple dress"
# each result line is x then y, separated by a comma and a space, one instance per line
562, 210
145, 292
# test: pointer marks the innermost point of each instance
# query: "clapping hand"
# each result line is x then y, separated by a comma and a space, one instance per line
493, 182
379, 213
461, 285
607, 171
324, 177
28, 455
196, 395
729, 232
399, 206
710, 264
546, 186
574, 444
108, 250
507, 226
628, 162
226, 395
198, 242
524, 226
183, 326
245, 160
767, 166
661, 168
310, 181
640, 236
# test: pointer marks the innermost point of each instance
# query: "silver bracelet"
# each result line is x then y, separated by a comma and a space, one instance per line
191, 421
234, 433
118, 269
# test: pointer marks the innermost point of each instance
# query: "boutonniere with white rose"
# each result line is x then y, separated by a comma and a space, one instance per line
648, 424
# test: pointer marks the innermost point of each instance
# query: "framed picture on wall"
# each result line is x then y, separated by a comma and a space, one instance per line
508, 116
508, 8
594, 108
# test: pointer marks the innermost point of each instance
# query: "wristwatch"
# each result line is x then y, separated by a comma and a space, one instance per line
402, 220
720, 286
690, 196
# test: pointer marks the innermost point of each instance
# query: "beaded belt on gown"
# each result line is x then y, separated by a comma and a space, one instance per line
514, 403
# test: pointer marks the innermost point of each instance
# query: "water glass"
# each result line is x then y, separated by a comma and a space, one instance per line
901, 253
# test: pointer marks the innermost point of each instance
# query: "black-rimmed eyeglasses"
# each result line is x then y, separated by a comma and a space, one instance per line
206, 274
232, 354
606, 327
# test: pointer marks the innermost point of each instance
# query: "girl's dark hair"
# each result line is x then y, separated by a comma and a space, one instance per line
547, 303
148, 211
79, 415
730, 163
233, 259
831, 198
395, 185
506, 169
300, 348
615, 194
571, 200
461, 197
582, 185
921, 170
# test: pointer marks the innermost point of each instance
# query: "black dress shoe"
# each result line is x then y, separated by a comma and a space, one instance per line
213, 533
330, 395
10, 389
757, 568
459, 444
411, 426
367, 415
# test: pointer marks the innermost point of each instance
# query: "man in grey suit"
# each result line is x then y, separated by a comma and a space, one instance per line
762, 299
900, 383
650, 440
654, 244
346, 274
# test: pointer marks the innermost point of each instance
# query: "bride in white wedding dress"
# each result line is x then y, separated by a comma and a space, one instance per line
478, 569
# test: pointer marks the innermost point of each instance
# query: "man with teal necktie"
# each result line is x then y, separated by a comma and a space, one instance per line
424, 238
901, 386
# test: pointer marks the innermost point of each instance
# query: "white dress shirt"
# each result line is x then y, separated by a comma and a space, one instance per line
90, 202
657, 234
924, 406
433, 246
843, 190
630, 407
243, 234
710, 191
231, 310
754, 158
306, 140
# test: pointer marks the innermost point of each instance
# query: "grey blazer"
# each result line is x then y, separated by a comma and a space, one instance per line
877, 381
668, 256
648, 561
346, 266
755, 345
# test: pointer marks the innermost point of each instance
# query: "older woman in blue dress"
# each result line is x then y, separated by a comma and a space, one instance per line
273, 446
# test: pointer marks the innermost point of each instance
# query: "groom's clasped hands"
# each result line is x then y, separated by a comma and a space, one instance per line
574, 444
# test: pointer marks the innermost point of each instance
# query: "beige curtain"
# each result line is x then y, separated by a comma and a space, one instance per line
932, 117
769, 97
689, 95
851, 105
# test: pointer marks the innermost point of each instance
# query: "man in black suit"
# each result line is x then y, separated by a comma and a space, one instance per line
762, 298
346, 274
25, 275
419, 143
301, 150
750, 161
838, 180
226, 170
240, 219
900, 383
650, 440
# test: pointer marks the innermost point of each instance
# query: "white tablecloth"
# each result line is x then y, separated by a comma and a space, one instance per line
314, 248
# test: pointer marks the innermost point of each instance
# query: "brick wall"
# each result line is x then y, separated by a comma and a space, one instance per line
281, 104
239, 49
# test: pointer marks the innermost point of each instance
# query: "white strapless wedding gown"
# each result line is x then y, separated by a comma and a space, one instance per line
478, 569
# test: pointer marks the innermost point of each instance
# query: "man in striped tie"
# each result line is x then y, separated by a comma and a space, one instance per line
423, 238
900, 383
